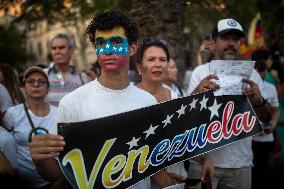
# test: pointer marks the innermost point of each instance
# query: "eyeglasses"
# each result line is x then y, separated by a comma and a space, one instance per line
33, 82
154, 40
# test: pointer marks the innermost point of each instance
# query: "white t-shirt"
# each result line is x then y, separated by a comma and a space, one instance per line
238, 154
5, 99
174, 94
16, 118
93, 101
270, 94
8, 146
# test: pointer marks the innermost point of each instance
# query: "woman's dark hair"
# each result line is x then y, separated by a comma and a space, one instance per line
150, 43
260, 54
11, 82
109, 20
260, 65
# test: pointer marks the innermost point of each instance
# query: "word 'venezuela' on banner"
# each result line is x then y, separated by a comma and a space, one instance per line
121, 150
254, 39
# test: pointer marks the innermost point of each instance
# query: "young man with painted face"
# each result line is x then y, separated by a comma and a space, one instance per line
114, 38
232, 163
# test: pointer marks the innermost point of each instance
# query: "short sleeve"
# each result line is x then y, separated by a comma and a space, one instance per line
5, 99
199, 73
255, 77
64, 115
274, 97
8, 146
9, 119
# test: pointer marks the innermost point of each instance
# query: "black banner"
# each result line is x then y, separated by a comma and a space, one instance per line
121, 150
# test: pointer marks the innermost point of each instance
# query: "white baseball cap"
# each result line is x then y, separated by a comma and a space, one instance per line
34, 69
226, 25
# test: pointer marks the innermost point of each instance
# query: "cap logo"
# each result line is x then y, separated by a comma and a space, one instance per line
232, 23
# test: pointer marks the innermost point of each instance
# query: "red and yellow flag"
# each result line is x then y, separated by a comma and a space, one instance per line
254, 39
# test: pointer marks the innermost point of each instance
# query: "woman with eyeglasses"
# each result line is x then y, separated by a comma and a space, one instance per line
33, 117
152, 63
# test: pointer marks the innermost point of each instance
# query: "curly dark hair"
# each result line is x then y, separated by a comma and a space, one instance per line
109, 20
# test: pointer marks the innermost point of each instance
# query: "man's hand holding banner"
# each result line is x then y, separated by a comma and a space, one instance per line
121, 150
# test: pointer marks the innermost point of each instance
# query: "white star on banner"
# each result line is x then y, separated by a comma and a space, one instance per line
107, 46
203, 103
167, 120
120, 49
214, 109
114, 48
133, 142
193, 104
126, 49
181, 110
150, 131
101, 50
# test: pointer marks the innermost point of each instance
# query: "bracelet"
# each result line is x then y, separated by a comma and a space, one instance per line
261, 104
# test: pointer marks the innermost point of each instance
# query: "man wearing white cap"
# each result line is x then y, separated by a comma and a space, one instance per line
233, 162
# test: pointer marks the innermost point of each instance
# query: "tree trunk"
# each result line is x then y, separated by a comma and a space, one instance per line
163, 19
82, 40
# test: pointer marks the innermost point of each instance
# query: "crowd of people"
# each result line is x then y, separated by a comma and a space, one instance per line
29, 142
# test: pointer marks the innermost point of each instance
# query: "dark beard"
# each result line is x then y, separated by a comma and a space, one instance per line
233, 50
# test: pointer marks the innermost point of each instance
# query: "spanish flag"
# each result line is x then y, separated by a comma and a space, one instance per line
254, 39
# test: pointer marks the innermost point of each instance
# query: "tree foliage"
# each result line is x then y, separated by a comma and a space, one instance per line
163, 19
202, 15
272, 13
6, 4
63, 11
12, 49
